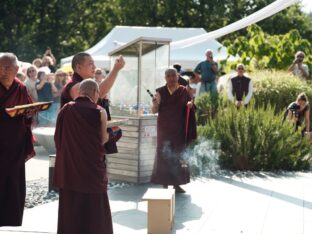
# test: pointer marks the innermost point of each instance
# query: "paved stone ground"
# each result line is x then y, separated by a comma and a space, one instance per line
261, 203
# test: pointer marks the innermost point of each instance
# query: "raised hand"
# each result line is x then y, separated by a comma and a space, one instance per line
119, 63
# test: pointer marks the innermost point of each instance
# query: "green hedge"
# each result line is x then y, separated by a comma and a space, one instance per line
256, 139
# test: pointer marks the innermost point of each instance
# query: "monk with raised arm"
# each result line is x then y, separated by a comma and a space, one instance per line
16, 143
80, 168
84, 68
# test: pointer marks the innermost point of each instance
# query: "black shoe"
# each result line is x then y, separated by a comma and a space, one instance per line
178, 189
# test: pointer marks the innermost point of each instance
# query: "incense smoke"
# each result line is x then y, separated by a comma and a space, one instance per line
202, 158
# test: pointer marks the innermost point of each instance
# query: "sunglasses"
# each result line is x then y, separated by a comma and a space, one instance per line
240, 68
31, 70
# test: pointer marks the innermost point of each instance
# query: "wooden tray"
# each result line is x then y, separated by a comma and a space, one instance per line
28, 109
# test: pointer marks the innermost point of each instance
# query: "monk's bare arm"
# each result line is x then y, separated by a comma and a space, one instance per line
108, 82
74, 91
104, 126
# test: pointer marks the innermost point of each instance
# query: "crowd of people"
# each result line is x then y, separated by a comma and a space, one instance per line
80, 105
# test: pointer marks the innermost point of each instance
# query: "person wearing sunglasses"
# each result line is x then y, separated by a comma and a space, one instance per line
298, 68
31, 82
240, 87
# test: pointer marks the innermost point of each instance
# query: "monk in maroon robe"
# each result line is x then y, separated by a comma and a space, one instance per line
16, 143
84, 68
80, 169
171, 103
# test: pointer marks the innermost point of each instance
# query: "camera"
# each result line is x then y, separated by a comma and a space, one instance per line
294, 110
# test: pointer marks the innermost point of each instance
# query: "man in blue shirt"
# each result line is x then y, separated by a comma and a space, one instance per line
208, 70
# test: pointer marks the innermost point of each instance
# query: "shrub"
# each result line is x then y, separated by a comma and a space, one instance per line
277, 88
256, 139
207, 106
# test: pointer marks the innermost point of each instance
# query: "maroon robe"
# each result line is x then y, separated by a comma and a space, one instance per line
80, 170
171, 139
16, 146
65, 95
110, 146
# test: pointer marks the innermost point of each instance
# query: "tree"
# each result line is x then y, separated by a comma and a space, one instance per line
69, 26
269, 51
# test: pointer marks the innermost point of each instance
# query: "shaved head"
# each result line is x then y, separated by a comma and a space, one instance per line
171, 71
88, 87
79, 59
8, 68
8, 57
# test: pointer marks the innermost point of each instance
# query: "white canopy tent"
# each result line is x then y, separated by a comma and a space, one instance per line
188, 44
187, 57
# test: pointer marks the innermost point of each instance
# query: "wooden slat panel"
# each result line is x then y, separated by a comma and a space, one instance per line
117, 177
148, 140
123, 161
129, 139
132, 122
144, 157
147, 122
127, 145
129, 128
130, 134
122, 166
122, 172
147, 148
145, 162
126, 156
128, 150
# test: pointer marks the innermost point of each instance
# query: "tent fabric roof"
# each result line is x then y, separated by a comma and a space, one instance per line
188, 57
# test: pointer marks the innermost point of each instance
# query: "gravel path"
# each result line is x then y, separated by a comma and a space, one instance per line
37, 192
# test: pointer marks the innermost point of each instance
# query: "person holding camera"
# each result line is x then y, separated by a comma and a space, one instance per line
298, 112
208, 70
298, 68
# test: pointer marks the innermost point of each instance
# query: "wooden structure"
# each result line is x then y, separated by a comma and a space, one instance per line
160, 210
136, 151
146, 62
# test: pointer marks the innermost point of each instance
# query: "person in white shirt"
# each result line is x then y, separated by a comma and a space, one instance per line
194, 85
298, 68
240, 86
31, 81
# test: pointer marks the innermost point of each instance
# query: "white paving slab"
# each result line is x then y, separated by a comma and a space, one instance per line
264, 203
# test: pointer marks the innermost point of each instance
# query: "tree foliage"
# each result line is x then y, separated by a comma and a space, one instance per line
69, 26
269, 51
